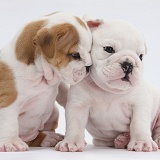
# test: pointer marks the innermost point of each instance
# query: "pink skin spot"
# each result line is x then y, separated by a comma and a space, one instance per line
122, 141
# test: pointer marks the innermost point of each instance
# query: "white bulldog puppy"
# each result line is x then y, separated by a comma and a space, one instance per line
115, 97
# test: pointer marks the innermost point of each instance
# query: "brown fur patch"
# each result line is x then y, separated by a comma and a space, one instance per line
8, 93
25, 49
57, 43
81, 22
37, 141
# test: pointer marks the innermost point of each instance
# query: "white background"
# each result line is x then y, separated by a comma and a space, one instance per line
143, 14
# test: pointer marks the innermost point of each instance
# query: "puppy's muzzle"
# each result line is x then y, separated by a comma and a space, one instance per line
127, 69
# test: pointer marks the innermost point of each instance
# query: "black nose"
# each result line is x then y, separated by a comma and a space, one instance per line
87, 68
127, 67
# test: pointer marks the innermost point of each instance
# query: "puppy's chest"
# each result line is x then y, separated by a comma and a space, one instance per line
34, 114
37, 102
111, 114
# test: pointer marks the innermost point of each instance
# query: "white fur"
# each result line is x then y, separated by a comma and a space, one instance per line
37, 87
108, 106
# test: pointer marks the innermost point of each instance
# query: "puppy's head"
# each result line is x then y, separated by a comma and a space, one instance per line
64, 40
117, 55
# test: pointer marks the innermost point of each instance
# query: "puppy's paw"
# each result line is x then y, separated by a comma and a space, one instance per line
157, 140
70, 146
146, 146
122, 141
13, 145
51, 139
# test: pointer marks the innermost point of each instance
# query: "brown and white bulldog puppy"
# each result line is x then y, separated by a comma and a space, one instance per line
45, 52
115, 97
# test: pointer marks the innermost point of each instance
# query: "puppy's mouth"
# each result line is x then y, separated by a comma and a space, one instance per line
126, 78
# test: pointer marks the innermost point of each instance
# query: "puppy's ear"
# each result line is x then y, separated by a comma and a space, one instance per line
56, 41
25, 49
44, 42
145, 45
91, 23
145, 48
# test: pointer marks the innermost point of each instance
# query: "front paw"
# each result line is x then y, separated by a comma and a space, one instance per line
51, 139
13, 145
70, 146
145, 145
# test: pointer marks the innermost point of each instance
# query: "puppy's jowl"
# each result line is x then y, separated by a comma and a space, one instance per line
115, 97
45, 52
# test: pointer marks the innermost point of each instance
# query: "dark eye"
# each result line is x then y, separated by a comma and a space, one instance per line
141, 56
75, 56
109, 49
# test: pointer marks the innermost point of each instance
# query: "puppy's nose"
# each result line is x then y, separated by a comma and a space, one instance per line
87, 68
127, 67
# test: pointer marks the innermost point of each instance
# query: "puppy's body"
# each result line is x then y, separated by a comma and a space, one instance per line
33, 65
108, 114
115, 97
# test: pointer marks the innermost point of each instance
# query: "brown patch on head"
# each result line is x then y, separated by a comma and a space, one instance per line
37, 141
8, 93
57, 43
25, 49
81, 22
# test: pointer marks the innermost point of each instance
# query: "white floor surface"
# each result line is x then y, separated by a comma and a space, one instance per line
90, 153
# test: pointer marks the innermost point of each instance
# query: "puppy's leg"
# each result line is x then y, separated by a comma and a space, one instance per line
140, 132
9, 130
48, 137
122, 140
101, 143
76, 119
156, 132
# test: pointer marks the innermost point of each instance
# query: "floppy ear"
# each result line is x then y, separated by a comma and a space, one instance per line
44, 42
25, 49
56, 40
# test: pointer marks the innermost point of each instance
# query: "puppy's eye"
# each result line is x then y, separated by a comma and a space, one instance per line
109, 49
141, 57
75, 56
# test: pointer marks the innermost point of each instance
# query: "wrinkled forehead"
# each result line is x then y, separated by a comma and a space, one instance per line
121, 32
